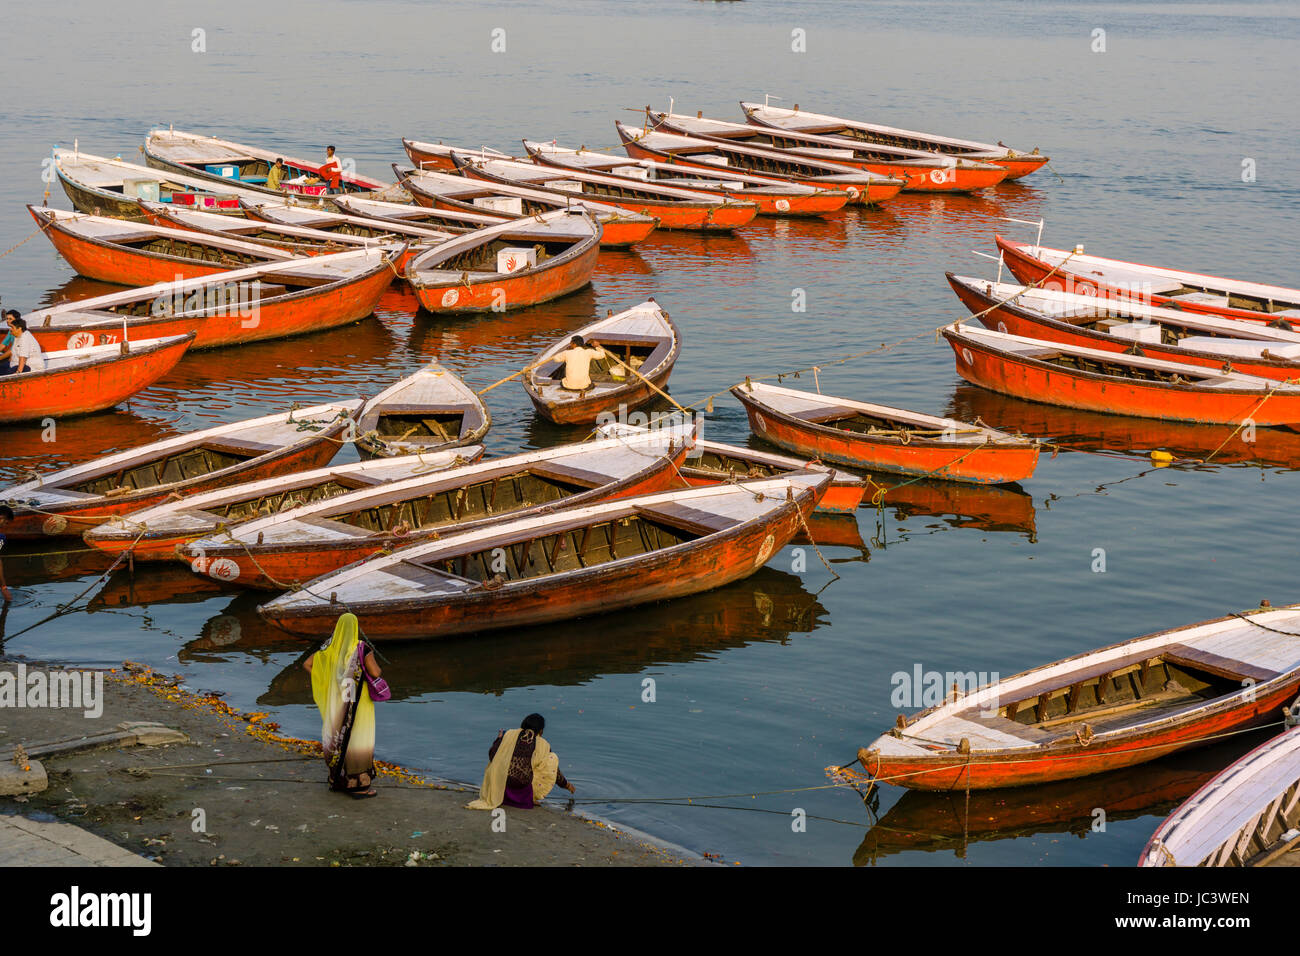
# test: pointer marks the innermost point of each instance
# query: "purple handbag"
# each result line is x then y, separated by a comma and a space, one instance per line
379, 689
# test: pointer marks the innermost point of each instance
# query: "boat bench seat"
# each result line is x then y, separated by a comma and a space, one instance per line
691, 519
452, 275
242, 446
823, 413
558, 471
1186, 655
1034, 691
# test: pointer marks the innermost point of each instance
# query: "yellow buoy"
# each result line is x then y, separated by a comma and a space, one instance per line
1161, 458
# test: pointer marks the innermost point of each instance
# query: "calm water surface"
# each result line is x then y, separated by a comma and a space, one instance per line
761, 685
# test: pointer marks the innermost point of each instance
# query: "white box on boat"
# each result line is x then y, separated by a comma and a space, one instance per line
147, 189
1138, 331
636, 172
1246, 348
568, 185
510, 205
515, 258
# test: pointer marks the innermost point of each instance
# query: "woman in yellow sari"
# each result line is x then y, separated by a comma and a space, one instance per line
521, 770
339, 687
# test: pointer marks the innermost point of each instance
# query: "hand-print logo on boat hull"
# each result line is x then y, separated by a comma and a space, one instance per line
765, 551
80, 340
54, 524
967, 357
450, 297
223, 569
783, 205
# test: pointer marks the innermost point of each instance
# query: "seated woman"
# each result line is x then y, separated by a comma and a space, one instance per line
521, 769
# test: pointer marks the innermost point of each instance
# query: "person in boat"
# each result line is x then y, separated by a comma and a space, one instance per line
6, 515
332, 171
275, 175
577, 359
522, 769
27, 355
341, 690
7, 344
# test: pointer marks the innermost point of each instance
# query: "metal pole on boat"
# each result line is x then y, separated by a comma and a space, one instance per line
1038, 243
768, 97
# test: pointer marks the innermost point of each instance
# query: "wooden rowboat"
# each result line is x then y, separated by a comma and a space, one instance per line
80, 381
298, 240
1016, 163
296, 546
414, 214
111, 187
774, 197
269, 301
222, 162
69, 501
674, 208
447, 193
1246, 815
642, 338
489, 270
419, 238
660, 143
430, 411
152, 534
920, 171
1118, 384
1103, 710
1113, 278
426, 156
711, 463
578, 562
132, 253
877, 437
1114, 325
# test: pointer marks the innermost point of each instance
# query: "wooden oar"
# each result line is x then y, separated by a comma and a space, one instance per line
656, 388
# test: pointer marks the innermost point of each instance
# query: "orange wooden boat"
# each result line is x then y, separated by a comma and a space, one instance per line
542, 568
510, 266
1210, 295
303, 543
269, 301
80, 381
1016, 163
674, 208
1107, 709
645, 344
298, 240
447, 194
69, 501
877, 437
426, 217
227, 163
110, 187
919, 170
774, 197
126, 252
1119, 384
420, 238
711, 463
153, 534
660, 143
1113, 325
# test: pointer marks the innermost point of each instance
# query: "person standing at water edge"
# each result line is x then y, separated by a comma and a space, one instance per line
341, 693
521, 770
6, 515
332, 171
27, 355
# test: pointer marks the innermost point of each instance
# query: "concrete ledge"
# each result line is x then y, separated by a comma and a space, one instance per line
14, 780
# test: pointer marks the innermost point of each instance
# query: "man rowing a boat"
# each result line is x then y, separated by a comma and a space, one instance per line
332, 171
577, 359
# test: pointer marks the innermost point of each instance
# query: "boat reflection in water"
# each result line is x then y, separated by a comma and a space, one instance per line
31, 564
929, 821
1092, 431
155, 583
960, 504
767, 607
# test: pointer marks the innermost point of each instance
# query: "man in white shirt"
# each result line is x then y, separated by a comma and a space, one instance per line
332, 171
577, 359
27, 355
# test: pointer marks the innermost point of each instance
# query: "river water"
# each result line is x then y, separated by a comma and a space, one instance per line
759, 686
